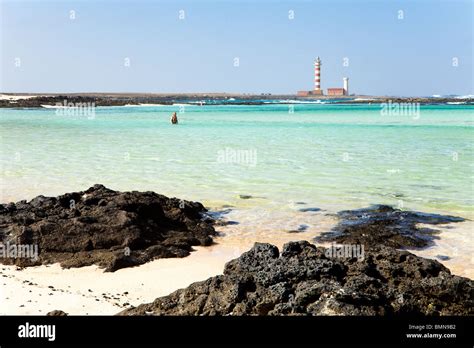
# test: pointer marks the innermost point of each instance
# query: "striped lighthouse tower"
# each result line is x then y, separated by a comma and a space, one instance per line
317, 76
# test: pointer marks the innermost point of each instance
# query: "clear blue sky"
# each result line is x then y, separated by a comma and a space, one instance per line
387, 55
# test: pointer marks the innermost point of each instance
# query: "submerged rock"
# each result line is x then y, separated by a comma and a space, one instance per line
305, 210
245, 196
443, 257
384, 225
302, 280
301, 228
100, 226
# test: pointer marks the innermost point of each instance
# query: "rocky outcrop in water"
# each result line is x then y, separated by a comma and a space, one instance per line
384, 225
303, 280
120, 99
100, 226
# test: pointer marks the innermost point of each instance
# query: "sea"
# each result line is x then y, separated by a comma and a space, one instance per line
277, 171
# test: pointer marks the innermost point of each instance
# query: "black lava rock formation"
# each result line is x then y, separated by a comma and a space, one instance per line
100, 226
384, 225
303, 280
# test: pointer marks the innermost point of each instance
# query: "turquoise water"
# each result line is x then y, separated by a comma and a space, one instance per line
329, 156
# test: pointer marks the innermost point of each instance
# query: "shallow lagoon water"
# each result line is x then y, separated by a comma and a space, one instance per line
287, 158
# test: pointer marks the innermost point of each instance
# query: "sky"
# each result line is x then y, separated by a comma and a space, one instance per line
396, 48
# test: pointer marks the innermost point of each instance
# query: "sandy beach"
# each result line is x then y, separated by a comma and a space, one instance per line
88, 290
91, 291
211, 173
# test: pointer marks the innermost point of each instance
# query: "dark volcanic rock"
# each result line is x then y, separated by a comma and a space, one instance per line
384, 225
301, 228
100, 226
116, 99
302, 280
245, 196
305, 210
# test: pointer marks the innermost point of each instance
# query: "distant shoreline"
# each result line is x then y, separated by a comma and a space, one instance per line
29, 100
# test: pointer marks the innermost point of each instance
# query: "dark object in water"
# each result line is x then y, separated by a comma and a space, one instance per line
225, 223
174, 118
301, 228
305, 210
384, 225
245, 196
443, 257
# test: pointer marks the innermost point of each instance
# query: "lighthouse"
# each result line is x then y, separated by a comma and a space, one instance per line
332, 92
317, 77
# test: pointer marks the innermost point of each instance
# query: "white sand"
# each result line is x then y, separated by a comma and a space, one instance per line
16, 97
79, 290
144, 283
